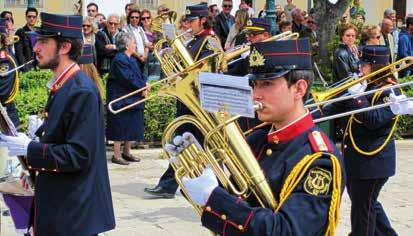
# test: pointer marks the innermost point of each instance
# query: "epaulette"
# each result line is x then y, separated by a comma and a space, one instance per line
319, 142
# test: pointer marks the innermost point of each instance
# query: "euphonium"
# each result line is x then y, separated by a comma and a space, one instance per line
225, 148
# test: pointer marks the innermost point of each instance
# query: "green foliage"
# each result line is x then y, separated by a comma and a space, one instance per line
159, 112
32, 95
405, 126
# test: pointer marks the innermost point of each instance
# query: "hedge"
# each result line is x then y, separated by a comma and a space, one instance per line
33, 95
159, 111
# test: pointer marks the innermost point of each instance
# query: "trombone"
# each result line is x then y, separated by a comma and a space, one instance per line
387, 70
170, 79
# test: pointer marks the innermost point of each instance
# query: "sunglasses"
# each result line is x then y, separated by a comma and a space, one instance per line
113, 23
86, 26
134, 17
31, 17
227, 6
146, 18
377, 37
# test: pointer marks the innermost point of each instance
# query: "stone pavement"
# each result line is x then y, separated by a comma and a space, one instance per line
138, 214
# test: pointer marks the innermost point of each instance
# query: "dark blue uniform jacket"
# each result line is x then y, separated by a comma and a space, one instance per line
369, 132
302, 214
72, 192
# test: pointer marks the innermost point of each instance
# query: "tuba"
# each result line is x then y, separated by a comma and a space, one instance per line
225, 148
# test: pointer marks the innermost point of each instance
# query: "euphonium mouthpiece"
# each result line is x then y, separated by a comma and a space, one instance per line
258, 106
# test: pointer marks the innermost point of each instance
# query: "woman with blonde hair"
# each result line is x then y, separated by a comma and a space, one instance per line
236, 36
89, 30
370, 35
86, 65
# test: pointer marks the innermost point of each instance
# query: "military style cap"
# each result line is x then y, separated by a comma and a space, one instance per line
194, 11
273, 59
68, 26
87, 54
375, 54
3, 25
258, 25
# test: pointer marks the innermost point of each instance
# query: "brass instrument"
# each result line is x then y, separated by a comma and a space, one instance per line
387, 70
225, 148
6, 41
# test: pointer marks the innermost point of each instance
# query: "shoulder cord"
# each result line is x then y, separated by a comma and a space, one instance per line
298, 172
15, 88
350, 131
200, 48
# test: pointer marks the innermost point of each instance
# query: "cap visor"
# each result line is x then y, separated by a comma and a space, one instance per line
191, 18
268, 76
44, 33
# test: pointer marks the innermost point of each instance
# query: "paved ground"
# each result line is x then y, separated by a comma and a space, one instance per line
139, 214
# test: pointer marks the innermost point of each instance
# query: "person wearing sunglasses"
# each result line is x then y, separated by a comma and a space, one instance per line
24, 48
89, 34
370, 35
92, 9
105, 43
224, 21
142, 42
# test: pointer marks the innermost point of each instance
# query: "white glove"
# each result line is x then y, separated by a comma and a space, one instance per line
201, 187
358, 88
17, 145
34, 123
401, 105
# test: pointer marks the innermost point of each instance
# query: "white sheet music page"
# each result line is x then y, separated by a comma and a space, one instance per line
219, 92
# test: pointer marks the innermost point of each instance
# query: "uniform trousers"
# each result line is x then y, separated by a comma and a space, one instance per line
367, 214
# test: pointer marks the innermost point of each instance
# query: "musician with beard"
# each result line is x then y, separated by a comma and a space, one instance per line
72, 192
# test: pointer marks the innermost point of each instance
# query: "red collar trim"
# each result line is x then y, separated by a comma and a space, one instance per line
65, 76
292, 130
205, 32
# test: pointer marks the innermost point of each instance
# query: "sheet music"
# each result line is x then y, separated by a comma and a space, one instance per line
232, 94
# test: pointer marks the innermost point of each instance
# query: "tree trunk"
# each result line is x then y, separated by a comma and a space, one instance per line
327, 16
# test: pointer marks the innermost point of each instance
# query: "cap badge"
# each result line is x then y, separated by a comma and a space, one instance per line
187, 12
256, 58
249, 23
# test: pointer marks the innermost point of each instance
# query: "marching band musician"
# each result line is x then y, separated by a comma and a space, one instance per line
302, 165
368, 144
257, 30
72, 192
204, 43
9, 83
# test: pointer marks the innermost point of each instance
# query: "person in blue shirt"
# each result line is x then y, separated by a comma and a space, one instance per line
406, 45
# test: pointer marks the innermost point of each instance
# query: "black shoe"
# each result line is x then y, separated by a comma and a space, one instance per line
159, 192
6, 213
119, 161
130, 158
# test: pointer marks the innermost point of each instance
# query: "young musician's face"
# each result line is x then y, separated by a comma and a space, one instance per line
280, 102
365, 69
196, 25
47, 53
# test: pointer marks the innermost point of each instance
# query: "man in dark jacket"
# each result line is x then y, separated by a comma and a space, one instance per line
105, 44
72, 191
24, 48
224, 21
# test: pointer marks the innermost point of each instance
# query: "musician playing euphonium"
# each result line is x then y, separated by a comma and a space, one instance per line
302, 165
203, 43
368, 143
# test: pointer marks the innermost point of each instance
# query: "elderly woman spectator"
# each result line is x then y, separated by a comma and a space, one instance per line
142, 42
125, 77
347, 55
236, 35
89, 34
370, 35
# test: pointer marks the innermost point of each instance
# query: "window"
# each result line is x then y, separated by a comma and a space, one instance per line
147, 4
22, 3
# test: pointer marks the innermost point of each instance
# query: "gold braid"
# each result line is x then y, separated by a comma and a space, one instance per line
15, 89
